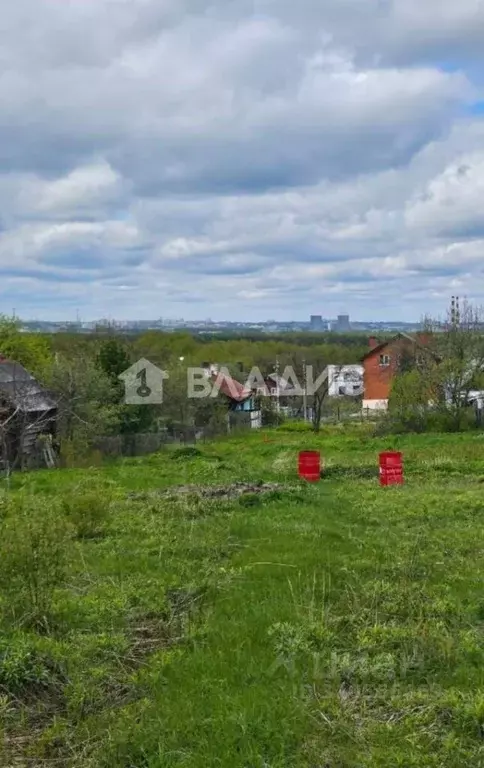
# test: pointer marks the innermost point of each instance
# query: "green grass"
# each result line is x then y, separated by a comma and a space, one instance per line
334, 625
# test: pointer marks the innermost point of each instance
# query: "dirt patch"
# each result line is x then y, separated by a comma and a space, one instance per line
148, 636
153, 631
222, 492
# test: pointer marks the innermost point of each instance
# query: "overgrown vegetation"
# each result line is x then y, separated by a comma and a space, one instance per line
336, 624
437, 381
81, 372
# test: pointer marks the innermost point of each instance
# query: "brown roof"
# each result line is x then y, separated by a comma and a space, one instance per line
230, 387
414, 339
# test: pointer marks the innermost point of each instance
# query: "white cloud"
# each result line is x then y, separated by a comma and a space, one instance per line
201, 158
84, 187
451, 204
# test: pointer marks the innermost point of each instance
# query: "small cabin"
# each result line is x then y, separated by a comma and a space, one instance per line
28, 420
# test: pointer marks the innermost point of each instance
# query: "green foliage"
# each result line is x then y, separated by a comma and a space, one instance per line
210, 413
271, 417
295, 426
86, 401
29, 349
114, 359
337, 624
409, 400
24, 669
186, 452
89, 511
413, 406
250, 500
35, 549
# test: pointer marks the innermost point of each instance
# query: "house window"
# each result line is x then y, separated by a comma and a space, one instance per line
384, 360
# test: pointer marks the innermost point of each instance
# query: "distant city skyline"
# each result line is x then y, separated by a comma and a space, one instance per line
204, 326
343, 319
299, 158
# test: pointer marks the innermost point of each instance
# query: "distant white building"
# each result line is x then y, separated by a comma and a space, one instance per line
345, 380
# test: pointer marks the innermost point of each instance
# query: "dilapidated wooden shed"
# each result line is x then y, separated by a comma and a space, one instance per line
28, 418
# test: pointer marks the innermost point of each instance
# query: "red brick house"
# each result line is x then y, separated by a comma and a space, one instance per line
381, 363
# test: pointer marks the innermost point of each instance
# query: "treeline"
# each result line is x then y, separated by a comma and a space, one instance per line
82, 373
261, 350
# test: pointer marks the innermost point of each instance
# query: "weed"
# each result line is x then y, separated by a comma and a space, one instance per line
24, 670
334, 625
250, 500
35, 552
187, 452
89, 512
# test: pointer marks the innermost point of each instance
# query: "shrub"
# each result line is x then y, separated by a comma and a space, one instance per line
89, 511
35, 550
271, 417
419, 420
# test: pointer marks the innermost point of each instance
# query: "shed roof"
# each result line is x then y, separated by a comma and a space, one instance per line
20, 388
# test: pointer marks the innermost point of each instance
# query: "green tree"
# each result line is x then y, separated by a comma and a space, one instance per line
84, 395
410, 398
29, 349
113, 359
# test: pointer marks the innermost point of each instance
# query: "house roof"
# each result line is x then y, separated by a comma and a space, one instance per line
20, 388
230, 387
401, 335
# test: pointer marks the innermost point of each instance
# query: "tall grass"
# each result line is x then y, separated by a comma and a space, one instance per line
335, 624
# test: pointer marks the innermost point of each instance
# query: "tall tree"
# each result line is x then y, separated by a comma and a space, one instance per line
113, 359
31, 350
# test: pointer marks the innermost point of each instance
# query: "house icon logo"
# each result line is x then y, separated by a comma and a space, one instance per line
143, 383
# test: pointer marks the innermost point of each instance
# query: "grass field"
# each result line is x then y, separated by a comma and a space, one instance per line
333, 625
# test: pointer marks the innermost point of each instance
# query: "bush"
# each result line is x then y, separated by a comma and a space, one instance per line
270, 416
419, 420
451, 420
89, 511
35, 551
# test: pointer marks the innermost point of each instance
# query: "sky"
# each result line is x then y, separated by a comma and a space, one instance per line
241, 159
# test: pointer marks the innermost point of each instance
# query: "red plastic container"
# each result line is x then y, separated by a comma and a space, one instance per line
310, 466
391, 468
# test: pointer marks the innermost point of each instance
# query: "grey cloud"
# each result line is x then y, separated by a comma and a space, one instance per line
194, 108
308, 156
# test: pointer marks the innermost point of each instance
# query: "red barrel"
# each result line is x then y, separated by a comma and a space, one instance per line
391, 468
310, 466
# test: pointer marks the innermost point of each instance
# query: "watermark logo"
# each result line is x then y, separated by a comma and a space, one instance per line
143, 383
202, 385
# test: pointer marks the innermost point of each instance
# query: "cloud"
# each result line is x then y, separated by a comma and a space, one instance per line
200, 158
451, 204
